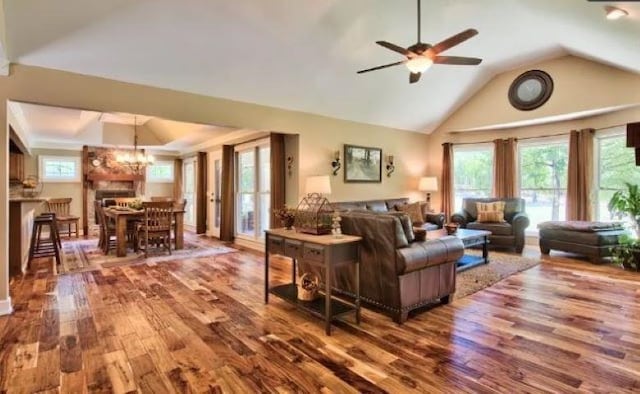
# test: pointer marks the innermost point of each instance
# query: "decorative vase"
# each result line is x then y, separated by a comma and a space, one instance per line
287, 223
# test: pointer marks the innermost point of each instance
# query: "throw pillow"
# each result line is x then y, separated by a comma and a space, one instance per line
490, 212
405, 220
414, 211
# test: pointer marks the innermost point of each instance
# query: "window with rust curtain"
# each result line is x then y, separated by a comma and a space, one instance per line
447, 180
580, 174
227, 217
504, 168
201, 193
278, 180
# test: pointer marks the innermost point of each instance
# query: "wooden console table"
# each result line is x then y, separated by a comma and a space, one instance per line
323, 251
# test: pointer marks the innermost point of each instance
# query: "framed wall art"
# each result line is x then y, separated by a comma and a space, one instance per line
362, 164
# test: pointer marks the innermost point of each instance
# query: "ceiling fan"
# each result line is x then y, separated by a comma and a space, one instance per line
420, 56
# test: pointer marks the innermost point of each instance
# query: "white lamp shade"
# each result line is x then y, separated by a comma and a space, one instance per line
318, 184
428, 184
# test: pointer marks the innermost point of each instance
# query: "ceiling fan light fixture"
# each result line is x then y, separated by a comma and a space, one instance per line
615, 13
419, 64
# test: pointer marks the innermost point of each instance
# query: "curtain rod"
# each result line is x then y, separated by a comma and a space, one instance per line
533, 138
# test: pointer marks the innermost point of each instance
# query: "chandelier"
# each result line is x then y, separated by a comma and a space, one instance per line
138, 159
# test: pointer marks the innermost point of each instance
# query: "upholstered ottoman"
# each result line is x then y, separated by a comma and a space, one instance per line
591, 239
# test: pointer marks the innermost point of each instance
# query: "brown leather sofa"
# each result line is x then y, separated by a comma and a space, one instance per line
398, 275
432, 220
506, 235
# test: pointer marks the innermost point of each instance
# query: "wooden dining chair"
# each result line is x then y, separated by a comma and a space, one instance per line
155, 227
108, 230
62, 208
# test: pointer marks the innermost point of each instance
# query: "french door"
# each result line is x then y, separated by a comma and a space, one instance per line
189, 191
214, 192
253, 189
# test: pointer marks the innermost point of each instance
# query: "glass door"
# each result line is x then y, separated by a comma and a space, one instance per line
215, 190
253, 190
189, 191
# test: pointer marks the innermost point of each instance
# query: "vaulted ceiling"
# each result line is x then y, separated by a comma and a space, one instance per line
303, 55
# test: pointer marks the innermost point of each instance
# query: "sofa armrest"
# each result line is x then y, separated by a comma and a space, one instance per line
520, 222
436, 218
460, 218
432, 252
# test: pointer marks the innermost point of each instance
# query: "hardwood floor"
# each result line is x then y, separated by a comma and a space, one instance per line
201, 326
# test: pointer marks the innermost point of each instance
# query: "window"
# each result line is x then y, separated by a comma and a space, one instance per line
160, 172
615, 165
543, 179
59, 169
253, 189
472, 172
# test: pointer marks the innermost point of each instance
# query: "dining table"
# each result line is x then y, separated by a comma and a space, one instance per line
122, 217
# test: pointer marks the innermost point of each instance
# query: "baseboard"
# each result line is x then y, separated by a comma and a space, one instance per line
5, 307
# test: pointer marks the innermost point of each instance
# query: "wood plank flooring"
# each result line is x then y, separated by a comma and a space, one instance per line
201, 326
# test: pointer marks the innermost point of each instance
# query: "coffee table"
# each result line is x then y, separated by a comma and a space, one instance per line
470, 238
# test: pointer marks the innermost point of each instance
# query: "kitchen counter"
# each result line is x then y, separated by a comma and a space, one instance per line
21, 213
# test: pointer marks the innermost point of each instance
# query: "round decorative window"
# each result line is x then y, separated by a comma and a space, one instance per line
530, 90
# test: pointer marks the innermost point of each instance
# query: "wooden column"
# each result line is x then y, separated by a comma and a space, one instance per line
85, 191
201, 193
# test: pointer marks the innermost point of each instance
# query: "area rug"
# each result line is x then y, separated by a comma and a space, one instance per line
84, 255
501, 265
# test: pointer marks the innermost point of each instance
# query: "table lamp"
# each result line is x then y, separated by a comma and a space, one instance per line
320, 185
428, 184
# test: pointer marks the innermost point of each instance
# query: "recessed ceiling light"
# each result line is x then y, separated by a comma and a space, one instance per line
614, 13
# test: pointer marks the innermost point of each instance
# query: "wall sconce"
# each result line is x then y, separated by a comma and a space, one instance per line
390, 166
335, 164
290, 165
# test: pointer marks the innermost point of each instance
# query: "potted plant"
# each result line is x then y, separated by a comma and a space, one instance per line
287, 216
627, 253
626, 203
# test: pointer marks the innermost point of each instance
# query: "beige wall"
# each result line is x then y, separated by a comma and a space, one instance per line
319, 136
56, 189
579, 85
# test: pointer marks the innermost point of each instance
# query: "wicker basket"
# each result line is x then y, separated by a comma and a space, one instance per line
308, 287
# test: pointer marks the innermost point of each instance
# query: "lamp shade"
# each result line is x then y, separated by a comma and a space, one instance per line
428, 184
318, 184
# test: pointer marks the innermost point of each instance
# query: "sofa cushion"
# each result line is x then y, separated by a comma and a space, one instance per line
495, 228
391, 203
512, 207
490, 212
427, 226
349, 206
584, 226
377, 206
414, 211
599, 238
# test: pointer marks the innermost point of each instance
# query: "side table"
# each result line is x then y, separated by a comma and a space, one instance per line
323, 251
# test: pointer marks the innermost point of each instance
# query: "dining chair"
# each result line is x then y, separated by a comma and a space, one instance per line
107, 231
155, 227
62, 208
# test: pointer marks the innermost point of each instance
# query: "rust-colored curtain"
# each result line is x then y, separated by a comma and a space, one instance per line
580, 175
227, 216
177, 180
201, 193
504, 168
447, 180
633, 139
278, 176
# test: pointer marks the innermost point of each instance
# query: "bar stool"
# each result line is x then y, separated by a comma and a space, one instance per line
49, 247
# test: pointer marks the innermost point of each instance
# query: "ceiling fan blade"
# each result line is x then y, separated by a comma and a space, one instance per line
457, 60
395, 48
453, 41
381, 67
414, 77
